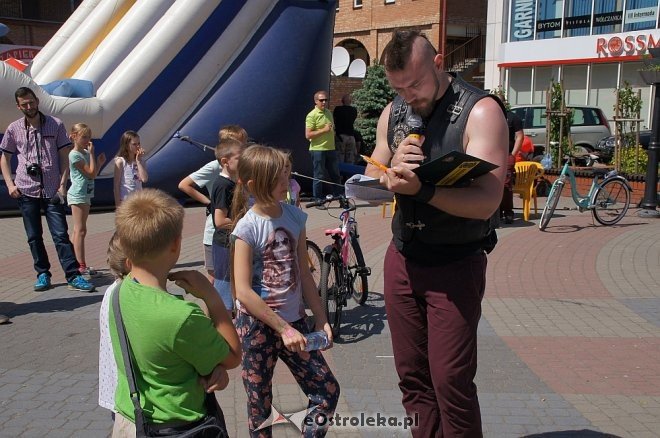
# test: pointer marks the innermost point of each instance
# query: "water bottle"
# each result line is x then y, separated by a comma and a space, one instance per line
316, 341
546, 162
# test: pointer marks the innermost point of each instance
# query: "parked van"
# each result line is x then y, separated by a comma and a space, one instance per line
589, 126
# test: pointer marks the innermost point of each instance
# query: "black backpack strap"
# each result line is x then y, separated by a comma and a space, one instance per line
455, 109
125, 345
398, 112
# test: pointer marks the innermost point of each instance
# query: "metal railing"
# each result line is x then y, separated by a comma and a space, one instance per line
465, 55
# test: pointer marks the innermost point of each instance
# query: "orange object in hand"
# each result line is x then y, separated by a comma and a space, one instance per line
374, 162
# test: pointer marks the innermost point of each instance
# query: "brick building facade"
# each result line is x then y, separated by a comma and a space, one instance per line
364, 27
372, 23
34, 22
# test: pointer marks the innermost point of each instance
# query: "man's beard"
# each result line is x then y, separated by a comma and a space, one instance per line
425, 109
31, 113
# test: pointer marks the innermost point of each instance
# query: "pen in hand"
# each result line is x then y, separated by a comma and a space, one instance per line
374, 162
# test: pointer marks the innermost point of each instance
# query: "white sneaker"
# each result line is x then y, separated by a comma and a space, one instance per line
87, 272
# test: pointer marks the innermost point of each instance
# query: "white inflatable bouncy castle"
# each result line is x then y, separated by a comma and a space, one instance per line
162, 67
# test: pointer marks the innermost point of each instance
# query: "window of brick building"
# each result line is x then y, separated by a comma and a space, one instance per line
357, 4
44, 10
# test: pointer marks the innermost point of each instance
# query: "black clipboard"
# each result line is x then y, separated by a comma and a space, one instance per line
455, 169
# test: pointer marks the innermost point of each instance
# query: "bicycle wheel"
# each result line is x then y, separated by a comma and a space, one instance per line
359, 272
331, 284
611, 202
551, 203
314, 260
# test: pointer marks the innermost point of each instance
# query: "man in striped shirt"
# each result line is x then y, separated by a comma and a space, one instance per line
41, 145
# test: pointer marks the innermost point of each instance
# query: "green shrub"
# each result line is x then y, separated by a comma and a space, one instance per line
370, 100
557, 96
629, 107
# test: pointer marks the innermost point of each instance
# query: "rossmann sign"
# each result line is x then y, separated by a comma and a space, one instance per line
630, 45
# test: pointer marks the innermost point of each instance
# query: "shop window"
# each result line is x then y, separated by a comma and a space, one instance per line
543, 76
577, 21
640, 14
603, 86
574, 79
548, 19
630, 73
608, 16
520, 86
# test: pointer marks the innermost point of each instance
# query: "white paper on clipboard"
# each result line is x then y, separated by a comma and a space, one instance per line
367, 189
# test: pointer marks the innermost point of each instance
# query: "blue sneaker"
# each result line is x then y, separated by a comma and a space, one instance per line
43, 282
79, 283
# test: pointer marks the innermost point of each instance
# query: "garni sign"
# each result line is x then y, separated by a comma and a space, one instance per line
522, 19
630, 45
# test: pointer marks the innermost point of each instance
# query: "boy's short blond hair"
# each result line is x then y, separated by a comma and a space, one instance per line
227, 147
147, 223
233, 132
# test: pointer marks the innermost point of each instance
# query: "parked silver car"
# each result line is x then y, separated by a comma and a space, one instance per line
589, 126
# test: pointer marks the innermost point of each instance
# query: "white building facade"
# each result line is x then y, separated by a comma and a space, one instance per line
592, 46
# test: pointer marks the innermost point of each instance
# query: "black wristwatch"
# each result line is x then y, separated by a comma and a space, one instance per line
425, 193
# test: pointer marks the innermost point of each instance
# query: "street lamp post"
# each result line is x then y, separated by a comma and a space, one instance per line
650, 200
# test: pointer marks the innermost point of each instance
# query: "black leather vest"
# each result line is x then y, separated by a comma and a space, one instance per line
421, 232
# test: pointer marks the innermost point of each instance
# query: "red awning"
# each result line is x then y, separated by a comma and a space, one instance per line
20, 65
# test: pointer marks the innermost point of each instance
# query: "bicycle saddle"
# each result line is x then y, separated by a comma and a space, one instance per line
335, 232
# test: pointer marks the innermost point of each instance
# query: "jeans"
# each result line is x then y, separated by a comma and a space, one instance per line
56, 218
347, 149
322, 161
221, 273
433, 314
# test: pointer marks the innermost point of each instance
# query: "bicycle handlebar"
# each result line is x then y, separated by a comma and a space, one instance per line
315, 203
343, 201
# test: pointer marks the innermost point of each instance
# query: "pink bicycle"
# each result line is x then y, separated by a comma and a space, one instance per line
344, 273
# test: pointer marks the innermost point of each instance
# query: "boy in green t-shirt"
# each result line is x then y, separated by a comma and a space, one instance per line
178, 351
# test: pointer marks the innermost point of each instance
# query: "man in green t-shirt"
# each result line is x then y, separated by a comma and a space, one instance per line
320, 131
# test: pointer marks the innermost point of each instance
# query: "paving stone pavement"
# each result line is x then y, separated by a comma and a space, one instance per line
569, 342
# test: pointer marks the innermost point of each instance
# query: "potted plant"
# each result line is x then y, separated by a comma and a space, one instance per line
650, 71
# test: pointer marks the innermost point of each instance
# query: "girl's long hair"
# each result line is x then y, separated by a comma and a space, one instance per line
117, 260
125, 142
262, 165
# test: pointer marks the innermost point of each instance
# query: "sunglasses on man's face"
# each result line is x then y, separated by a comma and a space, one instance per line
322, 100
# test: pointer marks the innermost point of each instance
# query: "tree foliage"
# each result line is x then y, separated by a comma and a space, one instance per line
556, 124
632, 159
370, 100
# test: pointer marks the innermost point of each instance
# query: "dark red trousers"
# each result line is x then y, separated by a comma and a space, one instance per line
433, 314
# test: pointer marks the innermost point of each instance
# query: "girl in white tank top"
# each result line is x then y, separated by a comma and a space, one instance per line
130, 168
